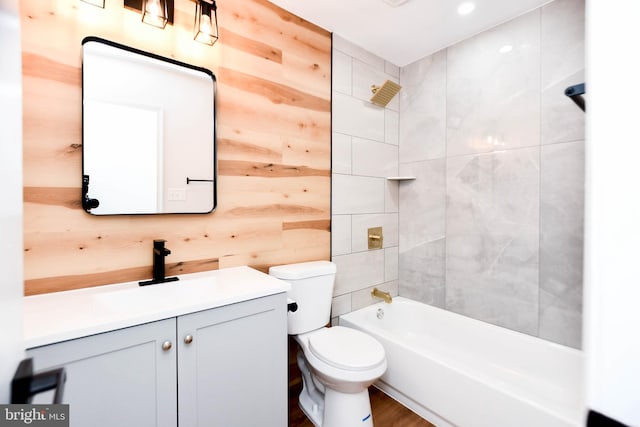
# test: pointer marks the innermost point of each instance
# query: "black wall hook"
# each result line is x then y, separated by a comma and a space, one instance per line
575, 92
87, 202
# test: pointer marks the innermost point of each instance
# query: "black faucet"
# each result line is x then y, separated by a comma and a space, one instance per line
159, 253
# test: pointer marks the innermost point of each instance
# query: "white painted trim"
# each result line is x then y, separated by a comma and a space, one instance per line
612, 210
11, 283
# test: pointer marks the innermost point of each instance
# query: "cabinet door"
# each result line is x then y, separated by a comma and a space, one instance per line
120, 378
234, 371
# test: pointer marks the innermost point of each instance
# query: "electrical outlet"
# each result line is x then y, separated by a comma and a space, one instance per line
176, 194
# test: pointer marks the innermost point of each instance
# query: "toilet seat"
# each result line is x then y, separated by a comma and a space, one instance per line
346, 348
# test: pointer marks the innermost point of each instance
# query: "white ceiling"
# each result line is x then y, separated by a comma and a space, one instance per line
411, 31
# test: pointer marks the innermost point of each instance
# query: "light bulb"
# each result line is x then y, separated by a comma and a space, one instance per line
153, 7
155, 13
205, 24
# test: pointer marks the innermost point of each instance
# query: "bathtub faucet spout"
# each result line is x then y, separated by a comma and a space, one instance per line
377, 293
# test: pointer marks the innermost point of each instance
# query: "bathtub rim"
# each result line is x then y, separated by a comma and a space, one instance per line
574, 415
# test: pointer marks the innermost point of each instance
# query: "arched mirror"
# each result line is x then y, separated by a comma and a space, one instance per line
148, 137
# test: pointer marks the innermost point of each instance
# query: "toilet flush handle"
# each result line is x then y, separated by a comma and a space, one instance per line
292, 306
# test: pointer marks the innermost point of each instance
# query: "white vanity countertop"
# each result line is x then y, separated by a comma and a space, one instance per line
61, 316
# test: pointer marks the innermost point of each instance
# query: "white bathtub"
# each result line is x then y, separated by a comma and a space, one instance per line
457, 371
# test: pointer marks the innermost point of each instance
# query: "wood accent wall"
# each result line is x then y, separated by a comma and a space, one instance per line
274, 145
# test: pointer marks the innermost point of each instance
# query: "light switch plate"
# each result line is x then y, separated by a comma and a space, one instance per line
176, 194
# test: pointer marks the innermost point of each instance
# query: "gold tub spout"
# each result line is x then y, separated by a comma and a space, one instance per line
377, 293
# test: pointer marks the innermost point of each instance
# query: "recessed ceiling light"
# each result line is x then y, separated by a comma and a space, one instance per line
506, 48
466, 8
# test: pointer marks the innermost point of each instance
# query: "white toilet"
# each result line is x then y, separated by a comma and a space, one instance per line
338, 364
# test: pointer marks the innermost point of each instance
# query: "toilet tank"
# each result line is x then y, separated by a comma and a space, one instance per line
312, 289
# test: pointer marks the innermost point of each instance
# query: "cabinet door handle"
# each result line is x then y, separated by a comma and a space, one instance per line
188, 339
166, 346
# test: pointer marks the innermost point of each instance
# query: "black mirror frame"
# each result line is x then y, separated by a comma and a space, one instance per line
89, 203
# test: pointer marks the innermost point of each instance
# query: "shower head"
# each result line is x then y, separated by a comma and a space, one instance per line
382, 95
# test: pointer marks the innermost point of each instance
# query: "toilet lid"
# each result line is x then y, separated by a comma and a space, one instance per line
346, 348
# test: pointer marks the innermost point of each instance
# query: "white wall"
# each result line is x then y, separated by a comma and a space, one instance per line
612, 220
11, 343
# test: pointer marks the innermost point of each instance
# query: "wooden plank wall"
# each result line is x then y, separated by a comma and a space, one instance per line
274, 145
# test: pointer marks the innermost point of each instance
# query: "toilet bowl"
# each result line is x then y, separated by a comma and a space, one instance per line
337, 364
342, 364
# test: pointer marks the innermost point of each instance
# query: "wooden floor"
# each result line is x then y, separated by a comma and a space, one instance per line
386, 411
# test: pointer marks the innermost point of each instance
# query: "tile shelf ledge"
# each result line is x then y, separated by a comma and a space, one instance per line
401, 178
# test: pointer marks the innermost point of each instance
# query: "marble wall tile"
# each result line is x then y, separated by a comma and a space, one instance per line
352, 116
341, 72
422, 203
392, 197
361, 223
391, 126
364, 152
423, 109
357, 194
340, 305
340, 234
482, 301
559, 324
372, 158
421, 272
391, 264
561, 240
358, 271
422, 231
493, 98
562, 40
562, 65
492, 229
510, 250
340, 153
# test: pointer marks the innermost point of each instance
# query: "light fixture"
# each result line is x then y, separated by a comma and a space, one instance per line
160, 12
205, 27
155, 12
99, 3
466, 8
506, 48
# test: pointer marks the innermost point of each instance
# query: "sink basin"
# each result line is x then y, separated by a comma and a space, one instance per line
175, 294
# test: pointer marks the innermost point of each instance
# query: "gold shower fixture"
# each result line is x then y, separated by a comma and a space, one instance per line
382, 95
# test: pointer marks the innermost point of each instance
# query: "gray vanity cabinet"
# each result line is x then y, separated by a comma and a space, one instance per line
118, 378
226, 366
232, 365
